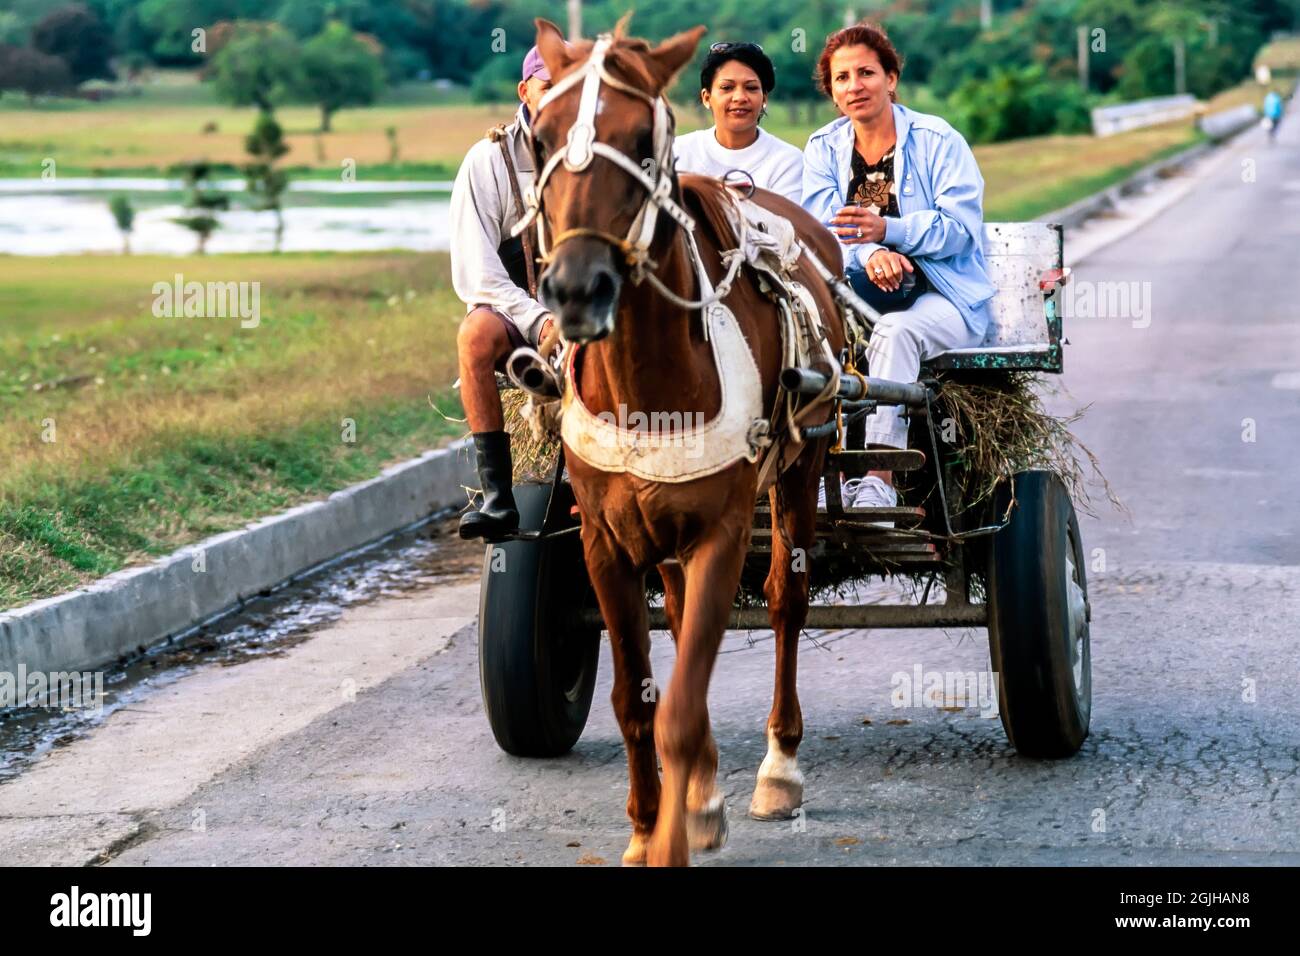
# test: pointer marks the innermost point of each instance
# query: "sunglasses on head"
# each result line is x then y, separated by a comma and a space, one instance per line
726, 47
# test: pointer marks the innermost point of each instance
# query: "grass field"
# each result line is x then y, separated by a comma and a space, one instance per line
1281, 55
125, 436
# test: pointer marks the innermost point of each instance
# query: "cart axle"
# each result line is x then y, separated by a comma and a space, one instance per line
837, 617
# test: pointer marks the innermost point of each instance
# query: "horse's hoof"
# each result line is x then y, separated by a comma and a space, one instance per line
776, 799
706, 828
634, 855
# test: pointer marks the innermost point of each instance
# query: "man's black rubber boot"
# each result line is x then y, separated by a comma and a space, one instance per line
496, 515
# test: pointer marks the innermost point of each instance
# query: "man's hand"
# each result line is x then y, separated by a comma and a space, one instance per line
855, 224
886, 269
549, 339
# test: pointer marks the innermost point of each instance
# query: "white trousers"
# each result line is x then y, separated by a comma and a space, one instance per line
900, 342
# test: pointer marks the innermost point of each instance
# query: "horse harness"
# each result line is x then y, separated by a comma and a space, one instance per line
765, 240
498, 135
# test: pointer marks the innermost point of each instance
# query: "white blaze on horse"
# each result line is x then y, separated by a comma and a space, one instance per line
679, 299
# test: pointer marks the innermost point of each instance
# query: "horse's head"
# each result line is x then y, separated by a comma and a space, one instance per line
602, 138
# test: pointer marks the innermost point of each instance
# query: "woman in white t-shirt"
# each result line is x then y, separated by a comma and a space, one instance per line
734, 85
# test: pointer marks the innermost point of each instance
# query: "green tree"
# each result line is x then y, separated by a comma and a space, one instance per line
124, 216
202, 202
266, 182
260, 66
171, 24
496, 81
79, 38
12, 28
28, 71
302, 18
338, 70
1016, 102
794, 58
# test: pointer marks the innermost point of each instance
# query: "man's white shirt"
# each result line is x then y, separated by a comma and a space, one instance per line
482, 214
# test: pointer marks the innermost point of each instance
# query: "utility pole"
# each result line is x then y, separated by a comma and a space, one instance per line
986, 15
1083, 57
1180, 65
850, 16
575, 20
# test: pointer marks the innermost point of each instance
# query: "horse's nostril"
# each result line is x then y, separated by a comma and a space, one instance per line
552, 294
604, 288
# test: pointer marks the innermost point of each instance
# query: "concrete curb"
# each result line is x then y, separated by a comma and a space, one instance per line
132, 609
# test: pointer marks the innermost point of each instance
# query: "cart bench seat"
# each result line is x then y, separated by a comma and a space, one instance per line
1025, 327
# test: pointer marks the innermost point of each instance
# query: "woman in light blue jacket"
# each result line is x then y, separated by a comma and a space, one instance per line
902, 192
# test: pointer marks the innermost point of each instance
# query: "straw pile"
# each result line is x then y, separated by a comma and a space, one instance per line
532, 450
997, 425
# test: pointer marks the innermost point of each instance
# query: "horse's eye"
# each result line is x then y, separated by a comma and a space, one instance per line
645, 144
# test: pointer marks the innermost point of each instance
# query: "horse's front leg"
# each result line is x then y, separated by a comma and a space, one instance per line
706, 807
779, 790
682, 728
620, 590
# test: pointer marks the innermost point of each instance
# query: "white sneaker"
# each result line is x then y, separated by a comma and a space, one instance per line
847, 490
871, 492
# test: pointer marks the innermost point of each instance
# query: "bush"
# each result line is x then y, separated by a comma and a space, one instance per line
1016, 102
77, 37
980, 60
29, 71
496, 82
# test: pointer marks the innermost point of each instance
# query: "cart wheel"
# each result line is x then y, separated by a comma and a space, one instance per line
1038, 620
537, 664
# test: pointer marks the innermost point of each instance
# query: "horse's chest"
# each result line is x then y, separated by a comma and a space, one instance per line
645, 521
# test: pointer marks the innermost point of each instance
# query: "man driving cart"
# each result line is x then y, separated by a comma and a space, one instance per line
495, 276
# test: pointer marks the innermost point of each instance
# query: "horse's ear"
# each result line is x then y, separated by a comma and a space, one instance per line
674, 53
620, 28
551, 45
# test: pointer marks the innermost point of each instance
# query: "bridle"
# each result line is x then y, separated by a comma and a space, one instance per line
581, 147
579, 150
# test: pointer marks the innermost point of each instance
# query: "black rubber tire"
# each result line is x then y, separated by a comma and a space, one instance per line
1044, 672
537, 664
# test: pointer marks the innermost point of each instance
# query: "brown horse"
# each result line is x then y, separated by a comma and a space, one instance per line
640, 351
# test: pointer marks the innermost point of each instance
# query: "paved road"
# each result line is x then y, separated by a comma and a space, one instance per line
1194, 755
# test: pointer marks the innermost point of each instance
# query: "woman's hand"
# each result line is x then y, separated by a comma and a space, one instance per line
855, 224
886, 269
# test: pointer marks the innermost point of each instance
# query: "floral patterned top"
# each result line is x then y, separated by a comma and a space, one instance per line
872, 185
